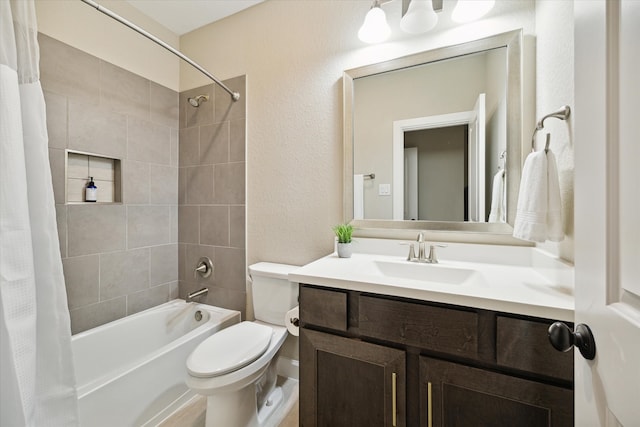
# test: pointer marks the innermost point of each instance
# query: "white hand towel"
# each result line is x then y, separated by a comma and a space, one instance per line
358, 196
555, 233
531, 214
498, 211
538, 216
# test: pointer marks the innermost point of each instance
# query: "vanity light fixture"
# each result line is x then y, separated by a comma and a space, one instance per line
375, 28
470, 10
420, 17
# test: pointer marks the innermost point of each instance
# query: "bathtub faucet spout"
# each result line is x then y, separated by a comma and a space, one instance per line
196, 294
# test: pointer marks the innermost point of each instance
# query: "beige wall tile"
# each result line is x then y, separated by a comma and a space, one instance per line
88, 110
56, 119
214, 143
123, 91
77, 166
237, 226
174, 290
229, 299
56, 163
61, 221
182, 253
175, 148
189, 146
95, 228
136, 182
148, 142
102, 169
182, 186
147, 298
237, 140
76, 189
200, 185
163, 105
229, 180
163, 186
174, 224
106, 191
188, 224
97, 130
90, 316
214, 225
231, 270
148, 226
123, 273
81, 276
68, 71
164, 264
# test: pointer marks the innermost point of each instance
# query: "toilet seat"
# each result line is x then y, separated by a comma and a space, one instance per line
229, 350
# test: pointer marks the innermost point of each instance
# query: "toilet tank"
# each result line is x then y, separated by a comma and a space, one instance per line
273, 294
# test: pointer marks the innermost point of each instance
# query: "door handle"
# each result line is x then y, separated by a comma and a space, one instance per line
562, 339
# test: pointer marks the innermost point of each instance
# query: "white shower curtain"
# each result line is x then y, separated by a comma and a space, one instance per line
37, 384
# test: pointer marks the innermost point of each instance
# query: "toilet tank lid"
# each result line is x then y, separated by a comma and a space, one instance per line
271, 269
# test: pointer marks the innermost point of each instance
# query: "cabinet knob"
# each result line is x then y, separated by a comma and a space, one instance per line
562, 339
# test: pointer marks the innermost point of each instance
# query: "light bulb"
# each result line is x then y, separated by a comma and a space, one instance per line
420, 17
375, 28
470, 10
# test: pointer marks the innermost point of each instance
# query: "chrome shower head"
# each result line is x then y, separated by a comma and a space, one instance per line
195, 102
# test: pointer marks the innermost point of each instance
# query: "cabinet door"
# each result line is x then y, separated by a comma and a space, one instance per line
350, 383
453, 395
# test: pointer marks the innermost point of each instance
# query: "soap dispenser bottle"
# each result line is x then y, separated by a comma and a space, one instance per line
91, 192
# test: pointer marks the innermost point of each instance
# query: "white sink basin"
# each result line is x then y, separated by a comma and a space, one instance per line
435, 273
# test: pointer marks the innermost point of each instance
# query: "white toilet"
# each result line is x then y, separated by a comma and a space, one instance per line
236, 367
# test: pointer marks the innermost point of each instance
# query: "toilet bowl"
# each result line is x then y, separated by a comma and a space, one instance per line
235, 368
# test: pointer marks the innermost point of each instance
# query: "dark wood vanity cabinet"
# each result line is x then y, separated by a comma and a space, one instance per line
373, 360
356, 383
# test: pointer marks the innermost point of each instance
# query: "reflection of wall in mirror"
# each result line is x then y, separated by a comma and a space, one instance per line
423, 91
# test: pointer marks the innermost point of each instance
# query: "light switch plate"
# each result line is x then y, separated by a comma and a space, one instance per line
384, 190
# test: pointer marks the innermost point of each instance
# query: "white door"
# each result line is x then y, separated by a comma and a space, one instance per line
476, 174
607, 209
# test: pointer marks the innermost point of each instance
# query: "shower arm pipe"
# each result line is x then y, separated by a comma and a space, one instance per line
234, 95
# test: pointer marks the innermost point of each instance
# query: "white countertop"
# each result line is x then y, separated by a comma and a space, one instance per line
526, 281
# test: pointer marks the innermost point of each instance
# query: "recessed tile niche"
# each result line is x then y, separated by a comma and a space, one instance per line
106, 173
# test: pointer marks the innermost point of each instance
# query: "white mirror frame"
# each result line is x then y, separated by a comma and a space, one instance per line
496, 233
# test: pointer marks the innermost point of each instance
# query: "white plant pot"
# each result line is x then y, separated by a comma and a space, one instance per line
344, 250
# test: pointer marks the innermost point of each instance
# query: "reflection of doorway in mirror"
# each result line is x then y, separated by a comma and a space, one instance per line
450, 173
437, 184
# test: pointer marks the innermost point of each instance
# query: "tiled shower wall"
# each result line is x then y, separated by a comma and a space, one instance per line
118, 258
211, 194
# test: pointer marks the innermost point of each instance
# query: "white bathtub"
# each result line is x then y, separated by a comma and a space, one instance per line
131, 372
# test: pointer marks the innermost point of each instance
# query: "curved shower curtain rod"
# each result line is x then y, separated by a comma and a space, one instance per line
234, 95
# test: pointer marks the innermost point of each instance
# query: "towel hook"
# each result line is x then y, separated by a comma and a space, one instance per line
502, 159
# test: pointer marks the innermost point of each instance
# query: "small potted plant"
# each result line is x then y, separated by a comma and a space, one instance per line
343, 233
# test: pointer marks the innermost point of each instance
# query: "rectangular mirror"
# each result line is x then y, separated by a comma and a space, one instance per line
433, 140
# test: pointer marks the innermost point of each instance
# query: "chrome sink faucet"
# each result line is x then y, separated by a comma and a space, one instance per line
431, 258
